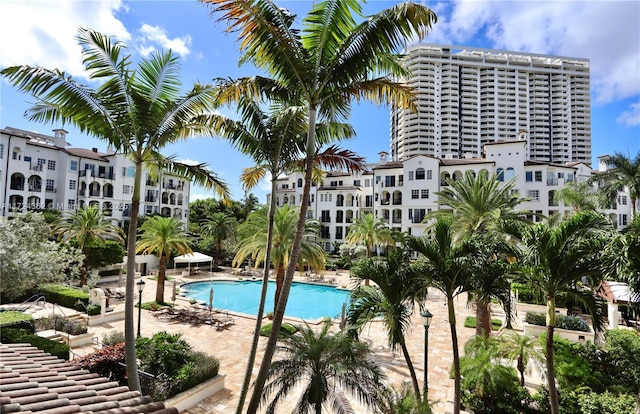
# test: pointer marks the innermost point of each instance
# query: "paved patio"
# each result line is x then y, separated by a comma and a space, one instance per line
232, 345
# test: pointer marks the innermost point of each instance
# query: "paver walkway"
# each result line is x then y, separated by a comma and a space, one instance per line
232, 345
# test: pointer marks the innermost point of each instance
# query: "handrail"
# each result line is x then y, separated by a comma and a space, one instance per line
35, 301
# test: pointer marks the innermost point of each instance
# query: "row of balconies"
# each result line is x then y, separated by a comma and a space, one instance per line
107, 175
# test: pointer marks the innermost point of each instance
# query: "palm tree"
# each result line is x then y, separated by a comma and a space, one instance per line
557, 254
220, 226
444, 263
326, 365
402, 401
624, 172
88, 227
138, 112
482, 205
323, 66
369, 230
392, 300
255, 244
160, 236
522, 348
580, 196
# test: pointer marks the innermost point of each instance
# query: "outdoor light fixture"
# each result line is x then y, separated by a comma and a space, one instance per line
426, 322
140, 283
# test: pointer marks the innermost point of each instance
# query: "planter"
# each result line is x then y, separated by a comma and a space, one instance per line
187, 399
75, 341
106, 318
529, 307
573, 336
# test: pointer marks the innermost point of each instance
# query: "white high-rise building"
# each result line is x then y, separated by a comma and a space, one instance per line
468, 97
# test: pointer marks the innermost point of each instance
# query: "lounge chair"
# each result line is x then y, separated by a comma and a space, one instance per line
222, 322
116, 295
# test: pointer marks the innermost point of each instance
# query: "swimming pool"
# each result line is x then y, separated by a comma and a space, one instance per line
306, 300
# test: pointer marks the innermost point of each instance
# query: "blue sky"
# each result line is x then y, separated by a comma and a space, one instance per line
41, 32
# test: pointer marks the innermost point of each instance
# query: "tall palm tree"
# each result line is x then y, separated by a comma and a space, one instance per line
325, 365
557, 254
392, 300
482, 205
624, 172
88, 227
161, 236
444, 263
284, 228
220, 226
331, 60
138, 112
522, 348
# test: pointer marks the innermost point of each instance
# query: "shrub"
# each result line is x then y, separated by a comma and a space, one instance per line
94, 310
106, 362
471, 322
111, 272
572, 323
16, 336
112, 338
66, 296
61, 323
200, 369
16, 319
286, 330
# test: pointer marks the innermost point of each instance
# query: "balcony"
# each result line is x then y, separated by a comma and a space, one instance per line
35, 188
50, 190
150, 199
552, 181
35, 167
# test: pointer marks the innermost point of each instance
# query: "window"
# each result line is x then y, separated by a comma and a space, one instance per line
41, 161
339, 216
131, 171
414, 194
27, 159
51, 165
429, 175
72, 184
368, 201
124, 171
73, 166
622, 219
367, 182
418, 215
71, 203
1, 151
529, 176
534, 195
299, 182
126, 189
330, 196
500, 174
356, 183
424, 193
390, 181
339, 232
325, 216
51, 185
411, 175
509, 174
538, 176
420, 174
623, 200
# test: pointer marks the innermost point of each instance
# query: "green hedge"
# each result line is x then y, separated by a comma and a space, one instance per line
286, 330
66, 296
471, 322
571, 323
18, 336
111, 272
16, 319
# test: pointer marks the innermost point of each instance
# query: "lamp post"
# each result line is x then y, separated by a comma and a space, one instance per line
140, 283
426, 322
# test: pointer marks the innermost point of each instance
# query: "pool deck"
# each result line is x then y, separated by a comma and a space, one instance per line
232, 344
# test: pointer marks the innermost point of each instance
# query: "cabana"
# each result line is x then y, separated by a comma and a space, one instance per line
194, 257
618, 293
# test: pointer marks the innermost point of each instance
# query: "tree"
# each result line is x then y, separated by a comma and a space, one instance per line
160, 236
255, 244
443, 263
220, 226
370, 231
88, 227
402, 401
111, 253
323, 66
482, 206
28, 259
522, 348
580, 196
623, 348
391, 301
138, 112
556, 255
325, 365
624, 172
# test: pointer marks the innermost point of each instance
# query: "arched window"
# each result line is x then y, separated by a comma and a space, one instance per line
509, 174
299, 182
131, 171
419, 173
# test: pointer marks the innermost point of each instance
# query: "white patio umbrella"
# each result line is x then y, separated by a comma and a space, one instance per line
210, 302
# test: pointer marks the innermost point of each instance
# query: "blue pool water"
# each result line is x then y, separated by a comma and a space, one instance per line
306, 300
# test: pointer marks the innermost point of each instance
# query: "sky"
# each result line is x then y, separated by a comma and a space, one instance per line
42, 33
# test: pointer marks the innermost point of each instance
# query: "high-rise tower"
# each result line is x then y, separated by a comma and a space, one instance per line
469, 96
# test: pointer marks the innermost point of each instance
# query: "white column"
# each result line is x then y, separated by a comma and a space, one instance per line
612, 314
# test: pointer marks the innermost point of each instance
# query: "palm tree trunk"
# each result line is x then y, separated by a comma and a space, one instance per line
217, 254
162, 266
85, 266
129, 333
521, 369
551, 370
483, 319
288, 278
263, 299
279, 282
412, 371
456, 357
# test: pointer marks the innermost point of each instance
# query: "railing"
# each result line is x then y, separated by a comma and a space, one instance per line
33, 300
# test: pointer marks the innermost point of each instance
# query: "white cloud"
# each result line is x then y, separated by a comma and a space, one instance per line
195, 197
265, 183
631, 117
43, 32
188, 161
604, 32
157, 35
